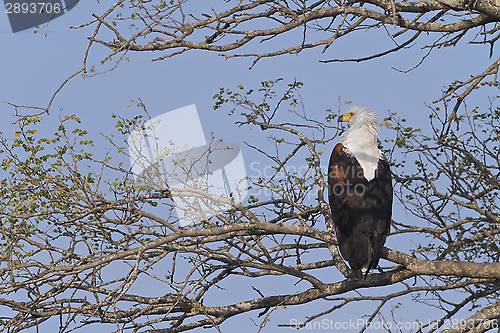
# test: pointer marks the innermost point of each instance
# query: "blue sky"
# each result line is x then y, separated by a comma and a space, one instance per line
35, 65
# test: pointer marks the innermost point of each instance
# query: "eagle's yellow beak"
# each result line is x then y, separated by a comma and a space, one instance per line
346, 117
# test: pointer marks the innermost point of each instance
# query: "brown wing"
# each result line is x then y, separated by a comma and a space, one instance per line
380, 193
361, 210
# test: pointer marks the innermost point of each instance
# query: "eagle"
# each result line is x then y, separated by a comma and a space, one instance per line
360, 191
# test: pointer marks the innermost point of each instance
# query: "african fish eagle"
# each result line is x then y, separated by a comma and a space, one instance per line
360, 191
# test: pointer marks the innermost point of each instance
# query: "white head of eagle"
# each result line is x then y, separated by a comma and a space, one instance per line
360, 191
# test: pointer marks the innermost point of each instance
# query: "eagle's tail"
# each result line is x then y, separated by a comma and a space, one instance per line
370, 264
